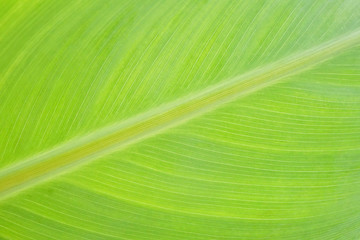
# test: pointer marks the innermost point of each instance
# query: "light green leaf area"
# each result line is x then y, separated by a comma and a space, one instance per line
180, 119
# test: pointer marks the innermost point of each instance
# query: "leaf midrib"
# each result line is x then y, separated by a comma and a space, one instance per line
74, 153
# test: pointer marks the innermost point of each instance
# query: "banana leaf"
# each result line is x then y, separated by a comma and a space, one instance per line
180, 119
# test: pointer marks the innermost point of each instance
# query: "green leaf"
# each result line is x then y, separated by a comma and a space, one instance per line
180, 119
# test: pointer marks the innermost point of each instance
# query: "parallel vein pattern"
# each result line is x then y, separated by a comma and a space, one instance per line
207, 119
105, 141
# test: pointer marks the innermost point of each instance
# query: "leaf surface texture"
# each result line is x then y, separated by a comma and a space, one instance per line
276, 158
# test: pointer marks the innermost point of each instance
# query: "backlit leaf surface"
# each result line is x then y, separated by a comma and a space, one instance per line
179, 119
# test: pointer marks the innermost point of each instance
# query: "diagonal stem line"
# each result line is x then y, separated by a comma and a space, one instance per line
75, 153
